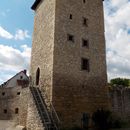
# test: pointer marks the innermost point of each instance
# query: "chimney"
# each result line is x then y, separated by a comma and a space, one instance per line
25, 71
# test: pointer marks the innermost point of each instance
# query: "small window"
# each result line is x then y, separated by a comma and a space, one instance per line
5, 111
85, 64
85, 21
3, 93
84, 1
21, 77
83, 86
18, 93
85, 43
71, 16
37, 76
70, 37
16, 111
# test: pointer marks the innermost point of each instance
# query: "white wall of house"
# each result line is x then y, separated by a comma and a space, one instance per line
13, 81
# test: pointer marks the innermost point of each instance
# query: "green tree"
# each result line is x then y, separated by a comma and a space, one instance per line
120, 81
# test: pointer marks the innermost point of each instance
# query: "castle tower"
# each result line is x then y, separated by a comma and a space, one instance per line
68, 58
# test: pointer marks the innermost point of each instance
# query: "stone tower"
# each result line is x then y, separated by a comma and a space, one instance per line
68, 60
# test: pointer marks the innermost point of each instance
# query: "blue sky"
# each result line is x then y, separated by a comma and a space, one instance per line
16, 15
16, 27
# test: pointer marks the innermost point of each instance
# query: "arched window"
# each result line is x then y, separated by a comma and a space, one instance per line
16, 110
37, 76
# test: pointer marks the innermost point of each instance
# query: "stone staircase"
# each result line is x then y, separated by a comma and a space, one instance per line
45, 116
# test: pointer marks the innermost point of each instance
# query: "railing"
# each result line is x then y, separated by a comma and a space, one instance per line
40, 111
54, 116
53, 113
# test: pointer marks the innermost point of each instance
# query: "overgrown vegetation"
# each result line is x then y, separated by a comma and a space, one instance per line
120, 81
104, 120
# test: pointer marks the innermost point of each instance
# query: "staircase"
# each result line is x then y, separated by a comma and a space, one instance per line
44, 115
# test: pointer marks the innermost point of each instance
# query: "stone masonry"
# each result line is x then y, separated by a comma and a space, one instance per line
120, 101
56, 60
11, 99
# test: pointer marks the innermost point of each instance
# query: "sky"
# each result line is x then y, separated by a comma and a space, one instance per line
16, 28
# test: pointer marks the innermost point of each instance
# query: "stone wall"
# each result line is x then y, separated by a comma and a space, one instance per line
11, 99
71, 90
120, 101
77, 91
33, 119
24, 100
43, 45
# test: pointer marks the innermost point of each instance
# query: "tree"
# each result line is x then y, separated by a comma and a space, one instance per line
120, 81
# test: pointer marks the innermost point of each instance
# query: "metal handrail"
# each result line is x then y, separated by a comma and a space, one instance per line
41, 111
53, 113
43, 105
53, 110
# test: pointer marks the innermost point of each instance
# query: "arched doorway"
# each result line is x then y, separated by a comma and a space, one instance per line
37, 76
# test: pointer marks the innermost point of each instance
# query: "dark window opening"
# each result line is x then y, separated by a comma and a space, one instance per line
85, 43
71, 16
16, 111
83, 86
70, 37
84, 1
85, 21
21, 77
18, 93
3, 93
5, 111
85, 64
37, 76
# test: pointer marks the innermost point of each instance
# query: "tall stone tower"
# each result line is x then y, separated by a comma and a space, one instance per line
68, 60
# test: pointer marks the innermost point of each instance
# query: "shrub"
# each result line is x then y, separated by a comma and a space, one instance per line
104, 120
101, 119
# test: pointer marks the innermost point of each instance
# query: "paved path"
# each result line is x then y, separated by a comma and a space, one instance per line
8, 125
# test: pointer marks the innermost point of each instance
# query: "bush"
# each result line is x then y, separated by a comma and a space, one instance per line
104, 120
120, 81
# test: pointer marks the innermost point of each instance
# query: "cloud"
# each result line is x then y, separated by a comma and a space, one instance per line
21, 34
5, 34
117, 25
13, 60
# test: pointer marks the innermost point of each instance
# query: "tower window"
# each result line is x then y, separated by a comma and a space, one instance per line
71, 16
85, 64
16, 111
70, 37
85, 21
3, 93
5, 111
85, 43
37, 76
84, 1
18, 93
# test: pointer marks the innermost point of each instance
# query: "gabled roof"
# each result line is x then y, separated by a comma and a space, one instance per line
6, 83
36, 3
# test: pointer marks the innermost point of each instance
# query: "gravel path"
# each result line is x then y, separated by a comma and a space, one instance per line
8, 125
